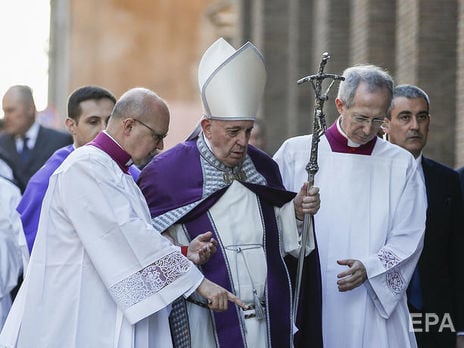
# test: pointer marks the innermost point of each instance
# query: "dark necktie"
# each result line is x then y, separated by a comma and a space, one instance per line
26, 151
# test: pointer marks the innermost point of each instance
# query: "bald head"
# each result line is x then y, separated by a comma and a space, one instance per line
139, 122
19, 109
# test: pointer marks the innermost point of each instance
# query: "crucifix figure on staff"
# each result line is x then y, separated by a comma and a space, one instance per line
307, 272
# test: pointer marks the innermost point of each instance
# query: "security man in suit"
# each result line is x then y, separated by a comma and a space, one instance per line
27, 143
435, 293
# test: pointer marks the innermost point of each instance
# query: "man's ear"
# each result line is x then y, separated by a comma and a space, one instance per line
339, 104
206, 127
70, 125
128, 124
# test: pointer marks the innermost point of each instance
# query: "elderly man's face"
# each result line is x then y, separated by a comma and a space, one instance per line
363, 119
228, 139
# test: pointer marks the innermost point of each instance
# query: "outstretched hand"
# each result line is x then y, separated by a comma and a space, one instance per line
218, 297
353, 277
307, 202
201, 248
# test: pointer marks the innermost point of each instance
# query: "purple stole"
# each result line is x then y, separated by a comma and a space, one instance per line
165, 189
30, 205
229, 333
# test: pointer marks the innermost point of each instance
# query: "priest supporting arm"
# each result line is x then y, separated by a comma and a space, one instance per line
99, 273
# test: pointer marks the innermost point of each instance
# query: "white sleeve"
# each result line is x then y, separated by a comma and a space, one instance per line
10, 233
141, 269
390, 270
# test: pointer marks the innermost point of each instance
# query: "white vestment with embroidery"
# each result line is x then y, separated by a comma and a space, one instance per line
99, 275
373, 210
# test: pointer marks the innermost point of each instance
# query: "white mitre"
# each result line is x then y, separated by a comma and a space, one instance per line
231, 82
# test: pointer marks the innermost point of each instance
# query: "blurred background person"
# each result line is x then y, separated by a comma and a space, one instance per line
27, 144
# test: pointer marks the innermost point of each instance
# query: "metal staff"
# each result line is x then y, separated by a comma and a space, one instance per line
319, 128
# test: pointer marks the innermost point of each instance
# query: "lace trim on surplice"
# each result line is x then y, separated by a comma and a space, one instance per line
150, 280
395, 280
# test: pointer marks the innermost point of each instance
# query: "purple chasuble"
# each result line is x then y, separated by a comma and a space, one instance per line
175, 179
30, 205
338, 143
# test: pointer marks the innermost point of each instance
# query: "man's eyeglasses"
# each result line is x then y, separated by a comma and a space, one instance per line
376, 122
156, 136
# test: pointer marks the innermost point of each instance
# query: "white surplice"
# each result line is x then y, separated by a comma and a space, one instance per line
238, 223
12, 239
99, 275
372, 209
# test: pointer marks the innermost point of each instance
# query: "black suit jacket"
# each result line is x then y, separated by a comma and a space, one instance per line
441, 265
48, 141
461, 176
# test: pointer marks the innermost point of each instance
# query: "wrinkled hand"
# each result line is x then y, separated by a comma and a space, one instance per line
353, 277
307, 202
218, 297
201, 248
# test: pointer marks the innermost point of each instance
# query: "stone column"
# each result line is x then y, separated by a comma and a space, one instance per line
59, 68
373, 33
331, 22
426, 46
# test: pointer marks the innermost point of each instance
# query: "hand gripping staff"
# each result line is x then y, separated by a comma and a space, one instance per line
319, 128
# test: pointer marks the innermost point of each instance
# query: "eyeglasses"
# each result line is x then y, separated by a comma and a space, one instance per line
375, 122
156, 136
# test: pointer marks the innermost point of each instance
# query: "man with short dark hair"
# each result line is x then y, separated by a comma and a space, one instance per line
89, 108
437, 286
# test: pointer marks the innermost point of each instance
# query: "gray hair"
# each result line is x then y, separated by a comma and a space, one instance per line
410, 92
375, 78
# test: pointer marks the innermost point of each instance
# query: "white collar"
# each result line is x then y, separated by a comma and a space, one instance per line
350, 142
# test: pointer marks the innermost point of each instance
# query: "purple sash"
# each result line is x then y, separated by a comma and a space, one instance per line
278, 288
